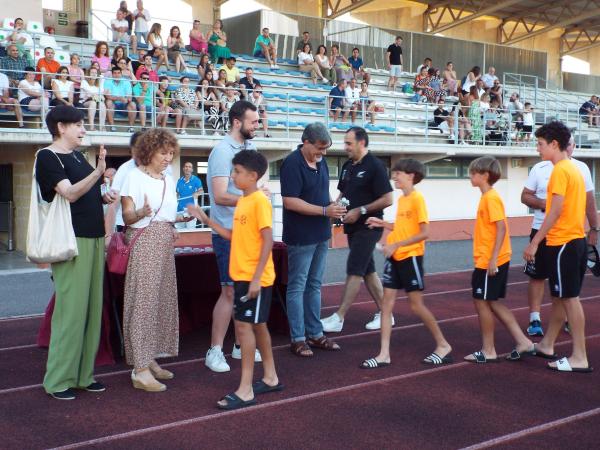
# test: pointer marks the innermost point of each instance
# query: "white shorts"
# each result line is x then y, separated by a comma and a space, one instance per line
395, 71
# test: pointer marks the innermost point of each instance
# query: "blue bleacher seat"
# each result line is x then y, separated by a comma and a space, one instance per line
269, 95
273, 123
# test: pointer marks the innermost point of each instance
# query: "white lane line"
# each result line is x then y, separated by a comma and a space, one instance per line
23, 317
532, 430
287, 346
320, 394
17, 347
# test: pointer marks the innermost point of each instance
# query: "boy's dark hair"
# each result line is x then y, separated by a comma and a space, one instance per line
359, 134
356, 48
115, 69
62, 114
489, 165
410, 165
238, 110
399, 37
554, 131
163, 78
251, 160
527, 104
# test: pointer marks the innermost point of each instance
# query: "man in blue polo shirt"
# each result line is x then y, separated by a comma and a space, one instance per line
189, 187
336, 100
307, 210
358, 66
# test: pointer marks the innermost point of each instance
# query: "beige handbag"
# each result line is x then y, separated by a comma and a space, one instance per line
50, 235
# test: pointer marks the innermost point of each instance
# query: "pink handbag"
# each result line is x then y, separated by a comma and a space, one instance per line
117, 254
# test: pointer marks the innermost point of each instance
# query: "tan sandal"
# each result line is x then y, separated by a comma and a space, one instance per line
161, 374
324, 343
153, 386
301, 349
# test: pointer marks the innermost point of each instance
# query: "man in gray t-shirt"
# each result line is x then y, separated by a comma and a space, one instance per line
243, 122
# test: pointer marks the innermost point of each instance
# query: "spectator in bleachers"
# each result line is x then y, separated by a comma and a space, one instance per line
147, 68
142, 17
198, 42
125, 72
484, 102
474, 116
75, 75
117, 93
220, 83
47, 65
135, 65
480, 87
470, 79
352, 94
217, 43
208, 76
450, 77
232, 72
437, 83
306, 63
143, 96
340, 63
589, 112
393, 57
21, 39
127, 15
248, 83
324, 64
31, 95
208, 102
358, 67
443, 120
422, 83
258, 100
13, 65
120, 53
227, 101
427, 63
489, 78
303, 41
528, 122
202, 66
496, 92
167, 106
121, 29
515, 108
101, 56
335, 102
155, 46
63, 91
8, 102
367, 106
174, 46
185, 98
264, 47
92, 98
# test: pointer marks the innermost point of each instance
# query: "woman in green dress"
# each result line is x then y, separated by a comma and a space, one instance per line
217, 43
474, 115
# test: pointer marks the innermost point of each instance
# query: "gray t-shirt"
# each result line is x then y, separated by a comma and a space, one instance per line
219, 165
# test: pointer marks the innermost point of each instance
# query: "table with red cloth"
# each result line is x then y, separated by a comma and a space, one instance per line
198, 289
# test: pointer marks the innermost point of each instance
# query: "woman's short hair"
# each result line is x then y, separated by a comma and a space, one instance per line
62, 114
153, 141
489, 165
319, 49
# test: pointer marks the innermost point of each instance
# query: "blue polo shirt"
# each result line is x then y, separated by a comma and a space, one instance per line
121, 88
338, 97
299, 180
355, 63
186, 190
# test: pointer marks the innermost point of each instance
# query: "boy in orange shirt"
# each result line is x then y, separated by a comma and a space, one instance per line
491, 252
252, 270
563, 228
404, 264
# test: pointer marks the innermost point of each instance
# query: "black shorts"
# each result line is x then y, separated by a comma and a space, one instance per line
253, 310
360, 259
406, 274
538, 269
489, 288
527, 128
566, 268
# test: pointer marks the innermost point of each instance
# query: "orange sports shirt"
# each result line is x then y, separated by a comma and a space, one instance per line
566, 180
410, 214
490, 211
252, 214
51, 67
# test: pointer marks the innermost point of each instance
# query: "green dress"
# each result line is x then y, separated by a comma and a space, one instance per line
216, 51
476, 122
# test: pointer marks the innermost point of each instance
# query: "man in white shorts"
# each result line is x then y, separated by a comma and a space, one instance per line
534, 196
393, 57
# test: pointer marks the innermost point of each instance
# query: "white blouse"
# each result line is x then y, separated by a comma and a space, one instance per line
64, 87
302, 57
24, 84
87, 92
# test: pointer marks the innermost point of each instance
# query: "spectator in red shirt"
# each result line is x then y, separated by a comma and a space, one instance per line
49, 65
147, 68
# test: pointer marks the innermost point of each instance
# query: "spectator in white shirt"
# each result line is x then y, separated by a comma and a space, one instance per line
21, 39
489, 78
120, 28
141, 17
352, 98
7, 102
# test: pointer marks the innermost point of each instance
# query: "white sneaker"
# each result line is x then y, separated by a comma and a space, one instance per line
236, 353
333, 323
275, 66
215, 360
324, 80
375, 324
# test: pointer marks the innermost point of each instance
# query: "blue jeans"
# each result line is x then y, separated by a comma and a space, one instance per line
306, 264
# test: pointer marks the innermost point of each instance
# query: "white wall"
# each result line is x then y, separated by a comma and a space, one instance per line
26, 9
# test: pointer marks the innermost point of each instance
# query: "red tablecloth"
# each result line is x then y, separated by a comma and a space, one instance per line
198, 289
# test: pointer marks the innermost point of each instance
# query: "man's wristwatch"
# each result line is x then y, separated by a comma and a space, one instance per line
363, 210
596, 229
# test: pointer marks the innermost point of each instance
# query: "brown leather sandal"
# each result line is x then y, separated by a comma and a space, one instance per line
301, 349
324, 343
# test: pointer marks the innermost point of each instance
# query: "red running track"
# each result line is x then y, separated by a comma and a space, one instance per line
328, 401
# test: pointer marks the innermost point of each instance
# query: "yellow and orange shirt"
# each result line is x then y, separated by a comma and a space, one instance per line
490, 211
410, 214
